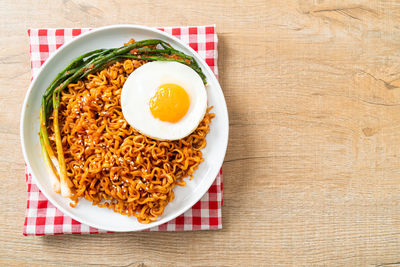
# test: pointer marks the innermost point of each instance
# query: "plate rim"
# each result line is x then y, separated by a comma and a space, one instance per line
203, 64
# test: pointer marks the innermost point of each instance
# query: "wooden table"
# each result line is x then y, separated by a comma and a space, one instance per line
312, 172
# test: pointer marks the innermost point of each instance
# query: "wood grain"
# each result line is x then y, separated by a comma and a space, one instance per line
312, 173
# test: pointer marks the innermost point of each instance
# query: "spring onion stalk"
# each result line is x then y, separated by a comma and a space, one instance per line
54, 178
43, 132
65, 182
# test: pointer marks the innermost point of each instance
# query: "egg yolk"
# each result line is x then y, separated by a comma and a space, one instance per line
170, 103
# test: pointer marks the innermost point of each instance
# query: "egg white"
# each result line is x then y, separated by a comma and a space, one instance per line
141, 86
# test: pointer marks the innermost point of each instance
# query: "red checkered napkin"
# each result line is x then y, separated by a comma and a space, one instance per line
42, 218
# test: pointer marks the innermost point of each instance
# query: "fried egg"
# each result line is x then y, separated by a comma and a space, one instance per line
164, 100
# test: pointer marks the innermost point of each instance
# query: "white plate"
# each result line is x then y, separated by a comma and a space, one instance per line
103, 218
